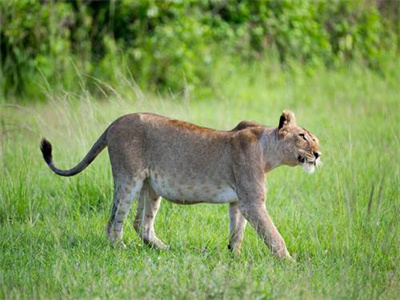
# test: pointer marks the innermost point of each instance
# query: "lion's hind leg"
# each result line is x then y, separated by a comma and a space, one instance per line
124, 194
149, 203
137, 223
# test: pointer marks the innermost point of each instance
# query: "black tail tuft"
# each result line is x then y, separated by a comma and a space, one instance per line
45, 146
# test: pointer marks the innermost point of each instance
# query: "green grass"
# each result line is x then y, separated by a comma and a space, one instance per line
341, 223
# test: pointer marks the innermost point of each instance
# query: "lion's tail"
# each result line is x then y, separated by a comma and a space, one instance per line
46, 149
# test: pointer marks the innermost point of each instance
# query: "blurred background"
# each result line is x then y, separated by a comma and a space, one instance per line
176, 46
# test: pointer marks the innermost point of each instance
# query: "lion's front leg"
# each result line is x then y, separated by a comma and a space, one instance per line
259, 218
250, 188
237, 226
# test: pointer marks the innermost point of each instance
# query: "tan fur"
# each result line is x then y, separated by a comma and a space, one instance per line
154, 156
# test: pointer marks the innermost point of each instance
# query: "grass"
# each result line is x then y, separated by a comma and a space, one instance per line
341, 223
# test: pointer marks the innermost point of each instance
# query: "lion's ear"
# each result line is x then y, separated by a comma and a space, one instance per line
287, 119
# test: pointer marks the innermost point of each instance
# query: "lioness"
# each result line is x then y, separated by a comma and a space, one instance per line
153, 156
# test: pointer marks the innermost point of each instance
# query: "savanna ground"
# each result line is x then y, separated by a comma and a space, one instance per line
341, 224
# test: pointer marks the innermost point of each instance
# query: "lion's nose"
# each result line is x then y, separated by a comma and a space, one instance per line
317, 154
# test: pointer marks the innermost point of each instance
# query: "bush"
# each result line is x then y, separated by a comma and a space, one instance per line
173, 44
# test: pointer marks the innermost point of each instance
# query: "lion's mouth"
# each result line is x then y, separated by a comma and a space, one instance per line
306, 160
309, 164
302, 159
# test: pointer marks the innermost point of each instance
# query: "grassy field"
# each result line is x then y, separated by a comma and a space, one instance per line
341, 224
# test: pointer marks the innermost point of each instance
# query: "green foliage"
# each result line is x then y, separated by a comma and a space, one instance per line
171, 44
33, 39
175, 44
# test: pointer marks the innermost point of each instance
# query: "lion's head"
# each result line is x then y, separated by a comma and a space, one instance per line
300, 146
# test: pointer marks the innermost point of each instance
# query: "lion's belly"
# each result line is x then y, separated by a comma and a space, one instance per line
190, 192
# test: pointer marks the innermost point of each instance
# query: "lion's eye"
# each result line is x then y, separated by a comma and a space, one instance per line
303, 136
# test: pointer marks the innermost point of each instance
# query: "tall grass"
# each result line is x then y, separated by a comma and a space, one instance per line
341, 223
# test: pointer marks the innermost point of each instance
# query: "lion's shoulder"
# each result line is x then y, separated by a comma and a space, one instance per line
246, 124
